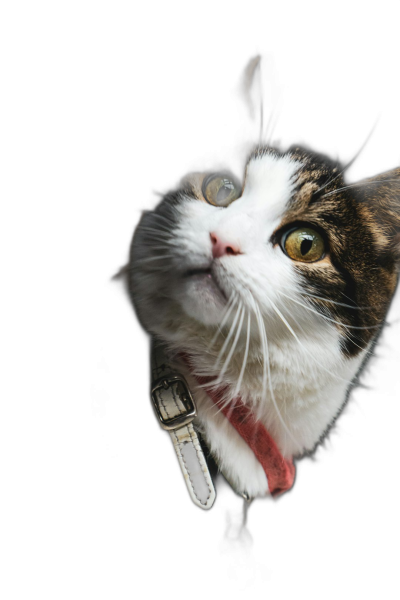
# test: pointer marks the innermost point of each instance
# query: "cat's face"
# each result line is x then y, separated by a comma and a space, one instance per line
288, 244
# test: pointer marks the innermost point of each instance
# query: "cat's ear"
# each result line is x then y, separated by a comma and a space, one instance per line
381, 196
122, 277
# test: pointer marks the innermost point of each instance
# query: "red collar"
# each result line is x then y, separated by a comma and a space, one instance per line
280, 471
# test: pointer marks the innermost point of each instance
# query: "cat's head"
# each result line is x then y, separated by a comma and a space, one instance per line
292, 244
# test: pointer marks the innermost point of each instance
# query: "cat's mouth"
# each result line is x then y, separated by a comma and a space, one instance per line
203, 271
205, 277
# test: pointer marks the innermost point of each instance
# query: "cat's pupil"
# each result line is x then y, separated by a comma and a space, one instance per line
225, 190
305, 246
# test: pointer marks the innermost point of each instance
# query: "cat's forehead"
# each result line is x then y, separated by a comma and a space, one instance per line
269, 184
271, 170
270, 179
297, 165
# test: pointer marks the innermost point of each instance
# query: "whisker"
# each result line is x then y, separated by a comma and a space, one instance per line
231, 302
153, 258
268, 375
354, 307
246, 352
161, 227
161, 247
164, 218
345, 296
350, 339
328, 318
234, 343
152, 269
235, 399
232, 403
150, 239
157, 231
280, 315
221, 404
232, 329
258, 317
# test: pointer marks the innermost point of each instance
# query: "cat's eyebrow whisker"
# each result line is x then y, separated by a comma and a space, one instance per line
331, 178
360, 183
273, 126
350, 163
261, 99
328, 318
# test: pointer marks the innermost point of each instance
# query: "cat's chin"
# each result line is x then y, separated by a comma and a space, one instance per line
202, 299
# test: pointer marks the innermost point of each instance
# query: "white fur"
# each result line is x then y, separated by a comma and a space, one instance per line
309, 375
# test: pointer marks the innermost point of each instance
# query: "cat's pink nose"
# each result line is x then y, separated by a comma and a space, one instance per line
220, 247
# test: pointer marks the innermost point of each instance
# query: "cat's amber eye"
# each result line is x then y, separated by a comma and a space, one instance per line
220, 190
304, 244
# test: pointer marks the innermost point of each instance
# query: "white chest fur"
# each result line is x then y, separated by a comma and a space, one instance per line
309, 385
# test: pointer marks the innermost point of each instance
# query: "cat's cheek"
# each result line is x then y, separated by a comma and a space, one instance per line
201, 300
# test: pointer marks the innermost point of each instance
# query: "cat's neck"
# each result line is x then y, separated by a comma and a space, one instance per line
295, 390
245, 367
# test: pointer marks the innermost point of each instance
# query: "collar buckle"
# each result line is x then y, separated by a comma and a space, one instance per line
178, 388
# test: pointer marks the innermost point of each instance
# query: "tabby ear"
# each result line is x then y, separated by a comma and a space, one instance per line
381, 196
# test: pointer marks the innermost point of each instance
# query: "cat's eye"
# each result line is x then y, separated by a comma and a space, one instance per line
304, 244
220, 190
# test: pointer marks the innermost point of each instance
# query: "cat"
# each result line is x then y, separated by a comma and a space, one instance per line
273, 291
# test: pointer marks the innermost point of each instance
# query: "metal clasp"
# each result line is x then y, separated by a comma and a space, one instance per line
179, 390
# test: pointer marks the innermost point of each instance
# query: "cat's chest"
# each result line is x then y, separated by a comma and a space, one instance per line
296, 395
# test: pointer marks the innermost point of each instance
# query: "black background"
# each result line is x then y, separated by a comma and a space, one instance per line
138, 112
